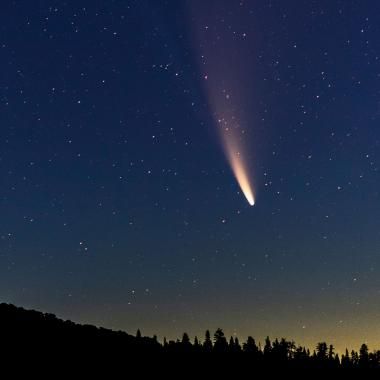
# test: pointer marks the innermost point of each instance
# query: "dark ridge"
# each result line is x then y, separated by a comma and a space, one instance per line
30, 329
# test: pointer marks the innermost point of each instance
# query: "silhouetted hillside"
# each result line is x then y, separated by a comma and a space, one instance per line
32, 332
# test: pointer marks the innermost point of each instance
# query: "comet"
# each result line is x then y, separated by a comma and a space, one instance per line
233, 146
240, 172
224, 68
234, 140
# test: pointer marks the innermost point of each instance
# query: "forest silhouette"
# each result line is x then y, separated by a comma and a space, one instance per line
33, 331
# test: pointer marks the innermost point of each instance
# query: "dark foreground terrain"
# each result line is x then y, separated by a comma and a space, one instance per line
28, 332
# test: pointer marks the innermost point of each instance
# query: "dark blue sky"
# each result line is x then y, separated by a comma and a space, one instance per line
118, 206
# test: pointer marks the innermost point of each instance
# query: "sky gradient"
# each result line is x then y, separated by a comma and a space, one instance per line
118, 205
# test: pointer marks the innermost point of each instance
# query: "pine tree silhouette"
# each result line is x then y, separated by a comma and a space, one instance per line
207, 345
220, 342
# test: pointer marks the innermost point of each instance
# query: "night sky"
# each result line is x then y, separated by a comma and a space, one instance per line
117, 200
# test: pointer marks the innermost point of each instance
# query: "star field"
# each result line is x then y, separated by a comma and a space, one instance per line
118, 206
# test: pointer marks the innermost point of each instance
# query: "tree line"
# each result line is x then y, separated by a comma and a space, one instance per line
29, 331
281, 351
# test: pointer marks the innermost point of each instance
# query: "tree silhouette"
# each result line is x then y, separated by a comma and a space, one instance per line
301, 356
237, 345
267, 348
231, 345
185, 345
250, 346
185, 339
196, 345
346, 362
220, 342
321, 351
207, 345
363, 356
331, 352
354, 358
